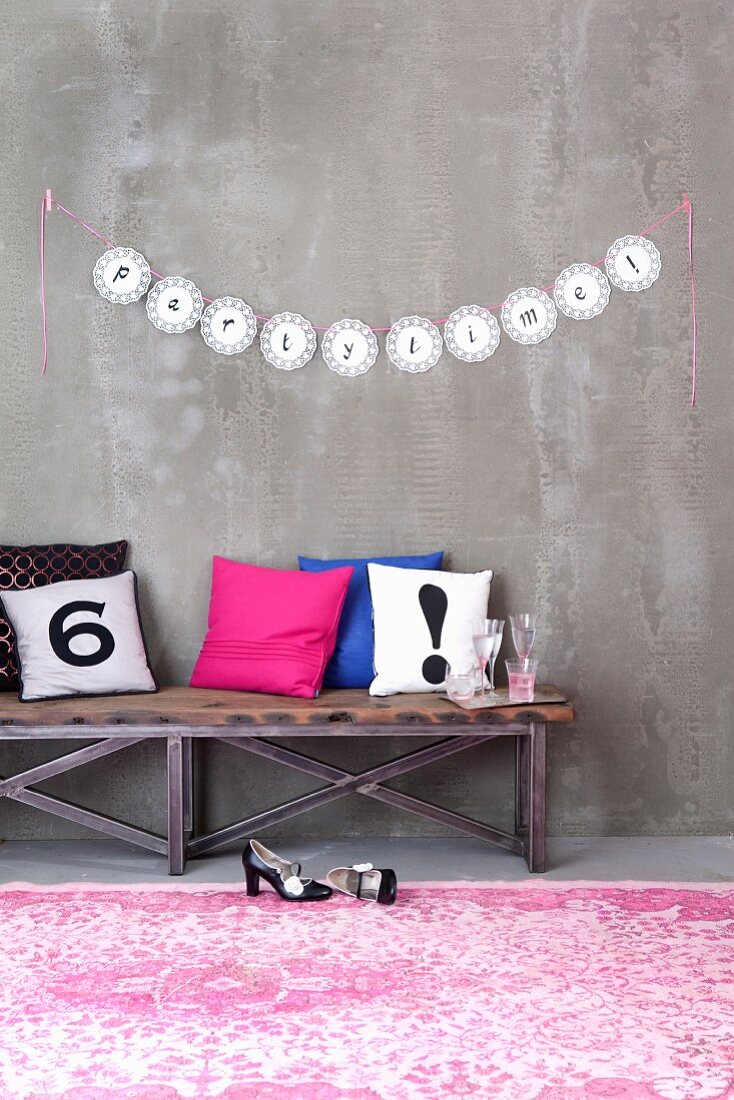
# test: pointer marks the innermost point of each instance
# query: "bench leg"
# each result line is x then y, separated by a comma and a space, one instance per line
522, 776
187, 744
176, 800
536, 782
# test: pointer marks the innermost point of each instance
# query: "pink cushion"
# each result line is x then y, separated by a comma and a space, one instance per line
270, 630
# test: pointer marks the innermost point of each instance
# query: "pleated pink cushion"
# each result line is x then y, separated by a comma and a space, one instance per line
270, 630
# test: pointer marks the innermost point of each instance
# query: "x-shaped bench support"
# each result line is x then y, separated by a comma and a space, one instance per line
19, 788
369, 783
530, 756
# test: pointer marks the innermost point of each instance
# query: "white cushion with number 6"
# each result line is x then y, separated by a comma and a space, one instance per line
79, 638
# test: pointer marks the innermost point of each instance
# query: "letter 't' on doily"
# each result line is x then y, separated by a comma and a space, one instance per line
472, 334
121, 275
349, 347
288, 341
414, 344
581, 291
529, 315
174, 304
228, 326
633, 263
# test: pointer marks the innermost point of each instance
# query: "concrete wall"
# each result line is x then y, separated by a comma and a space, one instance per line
366, 158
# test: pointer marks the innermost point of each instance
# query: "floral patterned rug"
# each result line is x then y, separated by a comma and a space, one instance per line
529, 991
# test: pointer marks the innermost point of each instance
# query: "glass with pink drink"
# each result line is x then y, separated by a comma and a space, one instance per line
521, 673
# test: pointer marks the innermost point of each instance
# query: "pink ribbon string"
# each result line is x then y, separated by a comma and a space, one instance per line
42, 245
47, 203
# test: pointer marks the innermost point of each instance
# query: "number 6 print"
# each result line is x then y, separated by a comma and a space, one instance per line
79, 637
60, 638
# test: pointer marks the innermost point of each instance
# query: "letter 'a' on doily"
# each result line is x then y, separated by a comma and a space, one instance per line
174, 304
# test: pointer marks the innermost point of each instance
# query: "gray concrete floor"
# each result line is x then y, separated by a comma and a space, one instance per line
614, 859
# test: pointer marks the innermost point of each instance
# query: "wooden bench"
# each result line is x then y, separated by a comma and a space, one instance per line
254, 723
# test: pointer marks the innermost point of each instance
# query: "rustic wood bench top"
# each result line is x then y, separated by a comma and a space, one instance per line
198, 707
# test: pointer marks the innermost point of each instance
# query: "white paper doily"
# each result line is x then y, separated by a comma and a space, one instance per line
228, 325
581, 291
121, 275
633, 263
529, 315
472, 334
349, 348
414, 344
288, 341
174, 304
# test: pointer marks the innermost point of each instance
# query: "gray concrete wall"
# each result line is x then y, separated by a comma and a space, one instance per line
366, 158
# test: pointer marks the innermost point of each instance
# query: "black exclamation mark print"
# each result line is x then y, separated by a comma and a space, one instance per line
633, 263
434, 603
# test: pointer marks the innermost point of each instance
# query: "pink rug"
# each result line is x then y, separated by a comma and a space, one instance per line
507, 992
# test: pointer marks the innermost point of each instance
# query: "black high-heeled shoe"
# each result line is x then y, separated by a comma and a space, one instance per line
365, 882
283, 876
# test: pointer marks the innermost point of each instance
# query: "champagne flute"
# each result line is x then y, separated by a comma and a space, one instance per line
523, 634
495, 652
483, 636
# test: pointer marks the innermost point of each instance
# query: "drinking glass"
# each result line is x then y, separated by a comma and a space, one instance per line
499, 631
523, 634
460, 683
483, 636
521, 677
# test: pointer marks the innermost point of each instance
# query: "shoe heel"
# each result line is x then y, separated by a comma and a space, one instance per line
388, 887
253, 882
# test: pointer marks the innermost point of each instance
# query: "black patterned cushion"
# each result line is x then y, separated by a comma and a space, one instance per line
35, 566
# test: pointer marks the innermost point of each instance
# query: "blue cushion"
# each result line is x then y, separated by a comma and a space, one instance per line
351, 665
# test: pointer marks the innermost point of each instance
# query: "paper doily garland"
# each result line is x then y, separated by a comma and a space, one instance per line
349, 348
534, 310
472, 334
121, 275
174, 304
228, 325
414, 344
288, 341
